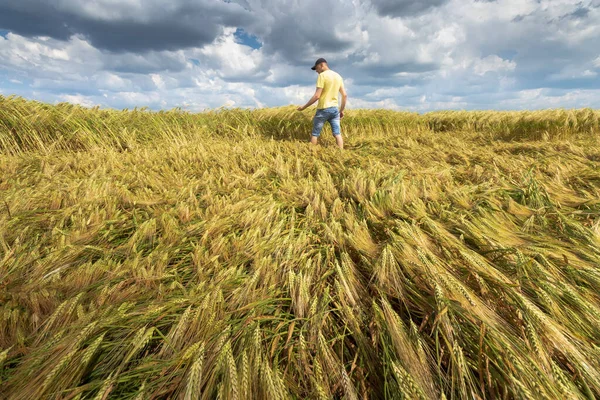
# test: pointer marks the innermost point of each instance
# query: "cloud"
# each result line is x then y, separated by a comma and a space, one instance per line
48, 58
550, 98
303, 31
78, 99
126, 25
493, 63
251, 53
580, 12
231, 60
402, 8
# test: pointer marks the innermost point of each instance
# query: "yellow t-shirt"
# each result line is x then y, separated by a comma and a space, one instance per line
331, 82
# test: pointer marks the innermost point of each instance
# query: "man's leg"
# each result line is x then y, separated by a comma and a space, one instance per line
339, 141
336, 130
318, 122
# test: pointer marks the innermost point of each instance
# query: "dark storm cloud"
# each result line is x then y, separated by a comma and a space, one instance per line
301, 32
301, 43
178, 26
404, 8
32, 18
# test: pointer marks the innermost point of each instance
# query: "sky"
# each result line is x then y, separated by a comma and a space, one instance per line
407, 55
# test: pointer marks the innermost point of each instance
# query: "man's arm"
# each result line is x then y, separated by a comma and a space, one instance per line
344, 98
315, 97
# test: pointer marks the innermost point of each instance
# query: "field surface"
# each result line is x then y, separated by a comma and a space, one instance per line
168, 255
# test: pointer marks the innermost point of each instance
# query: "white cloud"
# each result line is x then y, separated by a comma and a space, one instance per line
113, 82
493, 63
48, 57
78, 99
230, 59
385, 103
298, 94
158, 81
394, 92
546, 98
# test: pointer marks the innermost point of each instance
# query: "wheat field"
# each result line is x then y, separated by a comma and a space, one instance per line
171, 255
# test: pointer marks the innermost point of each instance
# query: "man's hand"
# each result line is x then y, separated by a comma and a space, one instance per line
315, 97
341, 114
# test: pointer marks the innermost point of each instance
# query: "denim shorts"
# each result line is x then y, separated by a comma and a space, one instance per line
331, 114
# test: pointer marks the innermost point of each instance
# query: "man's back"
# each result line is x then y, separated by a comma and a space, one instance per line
331, 82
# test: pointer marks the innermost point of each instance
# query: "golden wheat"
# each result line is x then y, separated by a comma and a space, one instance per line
217, 255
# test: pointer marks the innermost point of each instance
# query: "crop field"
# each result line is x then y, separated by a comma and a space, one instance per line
172, 255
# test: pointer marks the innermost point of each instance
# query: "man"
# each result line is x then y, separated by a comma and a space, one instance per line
329, 83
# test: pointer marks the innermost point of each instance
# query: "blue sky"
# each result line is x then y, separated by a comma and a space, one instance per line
399, 54
247, 39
